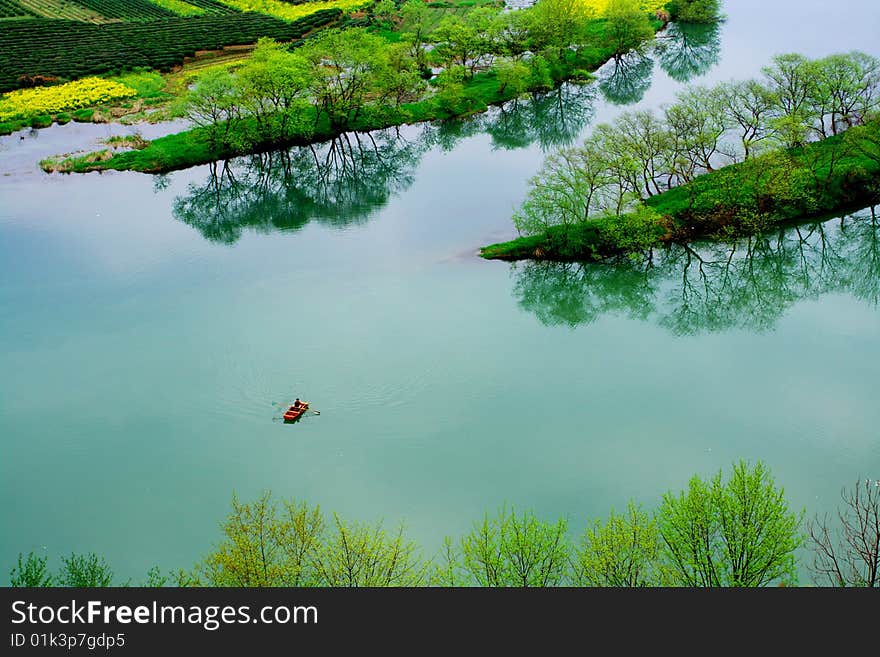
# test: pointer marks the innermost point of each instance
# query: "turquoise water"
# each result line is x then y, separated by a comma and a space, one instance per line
148, 325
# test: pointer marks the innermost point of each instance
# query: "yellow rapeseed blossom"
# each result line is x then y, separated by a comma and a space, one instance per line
291, 12
599, 6
72, 95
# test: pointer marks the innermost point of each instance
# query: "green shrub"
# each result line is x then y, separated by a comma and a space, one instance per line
41, 121
83, 115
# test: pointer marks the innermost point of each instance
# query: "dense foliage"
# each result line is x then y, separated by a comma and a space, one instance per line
70, 49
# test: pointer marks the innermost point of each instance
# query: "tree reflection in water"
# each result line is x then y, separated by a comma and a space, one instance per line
552, 120
703, 288
685, 51
626, 79
688, 50
339, 182
344, 181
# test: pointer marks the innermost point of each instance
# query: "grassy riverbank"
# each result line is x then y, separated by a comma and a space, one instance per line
838, 173
476, 94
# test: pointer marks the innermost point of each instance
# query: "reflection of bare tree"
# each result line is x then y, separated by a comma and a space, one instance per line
338, 182
688, 50
714, 287
626, 79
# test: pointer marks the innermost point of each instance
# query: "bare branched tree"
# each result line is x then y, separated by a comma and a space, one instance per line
849, 555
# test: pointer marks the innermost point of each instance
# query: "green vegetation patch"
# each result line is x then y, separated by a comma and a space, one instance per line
387, 84
838, 173
720, 161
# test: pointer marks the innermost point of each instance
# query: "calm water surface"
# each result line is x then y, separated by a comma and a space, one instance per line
147, 325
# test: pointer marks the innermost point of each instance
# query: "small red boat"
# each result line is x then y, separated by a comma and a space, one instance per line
295, 412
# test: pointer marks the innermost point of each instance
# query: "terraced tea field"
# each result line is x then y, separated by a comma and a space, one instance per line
69, 40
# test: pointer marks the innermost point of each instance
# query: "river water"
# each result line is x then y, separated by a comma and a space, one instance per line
149, 325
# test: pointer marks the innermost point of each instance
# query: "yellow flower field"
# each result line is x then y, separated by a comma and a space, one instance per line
72, 95
599, 6
292, 12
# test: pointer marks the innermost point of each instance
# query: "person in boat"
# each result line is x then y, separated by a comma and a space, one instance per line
297, 403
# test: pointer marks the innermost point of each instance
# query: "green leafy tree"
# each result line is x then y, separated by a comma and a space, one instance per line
540, 74
399, 80
510, 550
513, 77
847, 89
357, 554
417, 22
628, 26
347, 65
750, 108
556, 25
273, 85
644, 138
736, 533
510, 33
450, 95
697, 125
792, 79
84, 570
30, 572
214, 104
465, 41
567, 190
264, 544
156, 578
623, 552
384, 12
